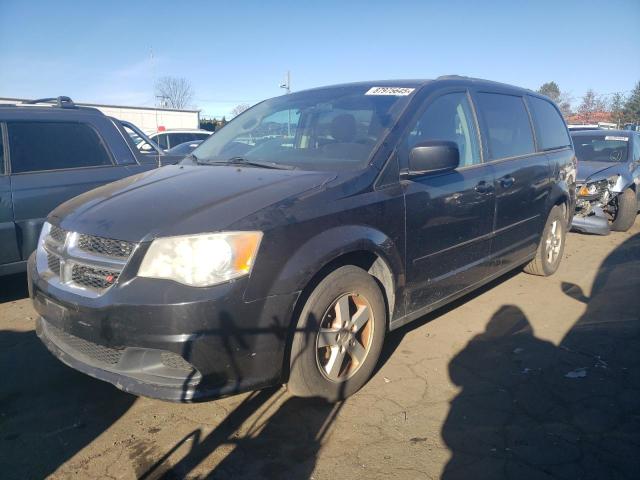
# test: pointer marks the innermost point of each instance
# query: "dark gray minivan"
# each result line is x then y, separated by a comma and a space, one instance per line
291, 241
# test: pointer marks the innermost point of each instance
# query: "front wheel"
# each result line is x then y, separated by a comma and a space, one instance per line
626, 211
339, 336
551, 247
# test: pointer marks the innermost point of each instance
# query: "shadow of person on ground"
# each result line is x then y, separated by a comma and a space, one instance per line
529, 409
48, 412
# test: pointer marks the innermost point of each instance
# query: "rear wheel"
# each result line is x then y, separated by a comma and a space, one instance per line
626, 211
339, 336
551, 247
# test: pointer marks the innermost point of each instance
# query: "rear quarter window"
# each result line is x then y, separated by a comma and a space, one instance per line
1, 154
507, 125
550, 127
37, 146
161, 141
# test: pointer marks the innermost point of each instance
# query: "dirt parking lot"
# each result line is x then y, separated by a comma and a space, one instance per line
529, 378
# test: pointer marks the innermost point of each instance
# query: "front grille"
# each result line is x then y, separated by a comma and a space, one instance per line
53, 262
85, 264
171, 360
57, 234
105, 246
98, 353
94, 278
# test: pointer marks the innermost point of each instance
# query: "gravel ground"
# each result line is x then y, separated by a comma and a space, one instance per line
528, 378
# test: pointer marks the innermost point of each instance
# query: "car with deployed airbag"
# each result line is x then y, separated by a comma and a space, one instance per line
288, 244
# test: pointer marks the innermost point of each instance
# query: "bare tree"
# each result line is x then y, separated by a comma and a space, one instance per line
617, 108
176, 92
238, 109
591, 104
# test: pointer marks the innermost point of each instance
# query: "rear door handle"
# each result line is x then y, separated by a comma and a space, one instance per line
483, 187
507, 181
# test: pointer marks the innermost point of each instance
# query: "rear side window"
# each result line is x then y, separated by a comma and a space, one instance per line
550, 127
507, 123
37, 146
636, 148
183, 137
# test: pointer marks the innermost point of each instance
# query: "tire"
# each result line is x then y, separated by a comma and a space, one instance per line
333, 372
551, 246
627, 210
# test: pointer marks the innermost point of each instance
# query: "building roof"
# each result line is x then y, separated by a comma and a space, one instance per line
21, 100
593, 117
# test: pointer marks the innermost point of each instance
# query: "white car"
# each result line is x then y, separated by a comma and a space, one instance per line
170, 138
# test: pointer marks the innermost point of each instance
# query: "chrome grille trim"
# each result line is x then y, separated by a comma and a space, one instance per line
57, 235
82, 270
105, 246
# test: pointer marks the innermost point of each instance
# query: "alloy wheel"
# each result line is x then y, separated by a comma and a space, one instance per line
345, 336
553, 242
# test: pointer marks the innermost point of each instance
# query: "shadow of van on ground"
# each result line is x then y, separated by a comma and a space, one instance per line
531, 410
48, 412
13, 287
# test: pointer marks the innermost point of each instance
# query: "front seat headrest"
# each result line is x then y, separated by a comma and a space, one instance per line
343, 128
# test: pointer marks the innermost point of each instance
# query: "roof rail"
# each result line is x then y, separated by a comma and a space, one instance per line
61, 102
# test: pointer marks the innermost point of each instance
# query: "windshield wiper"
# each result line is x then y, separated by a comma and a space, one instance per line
249, 163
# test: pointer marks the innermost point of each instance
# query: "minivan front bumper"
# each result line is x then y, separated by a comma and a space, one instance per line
199, 344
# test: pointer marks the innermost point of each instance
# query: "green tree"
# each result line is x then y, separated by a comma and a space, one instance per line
562, 99
631, 111
551, 90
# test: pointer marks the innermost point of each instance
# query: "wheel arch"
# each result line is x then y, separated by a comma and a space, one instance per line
377, 258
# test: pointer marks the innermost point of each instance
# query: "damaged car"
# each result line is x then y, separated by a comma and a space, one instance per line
608, 180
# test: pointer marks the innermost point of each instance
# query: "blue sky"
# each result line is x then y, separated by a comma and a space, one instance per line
238, 52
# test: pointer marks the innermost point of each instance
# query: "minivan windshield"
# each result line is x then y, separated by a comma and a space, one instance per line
601, 148
334, 128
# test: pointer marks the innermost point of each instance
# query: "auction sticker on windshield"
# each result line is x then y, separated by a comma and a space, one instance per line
396, 91
622, 139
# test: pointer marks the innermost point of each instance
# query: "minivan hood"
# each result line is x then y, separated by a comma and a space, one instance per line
181, 200
586, 170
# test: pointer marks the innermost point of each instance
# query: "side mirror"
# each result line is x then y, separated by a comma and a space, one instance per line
433, 156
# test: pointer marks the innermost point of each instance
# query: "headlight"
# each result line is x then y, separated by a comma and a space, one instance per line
201, 260
41, 254
593, 188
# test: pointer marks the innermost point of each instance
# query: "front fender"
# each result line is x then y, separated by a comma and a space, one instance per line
320, 250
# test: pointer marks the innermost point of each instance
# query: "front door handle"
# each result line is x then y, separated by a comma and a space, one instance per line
507, 181
483, 187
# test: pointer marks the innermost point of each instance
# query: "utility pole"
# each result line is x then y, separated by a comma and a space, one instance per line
287, 86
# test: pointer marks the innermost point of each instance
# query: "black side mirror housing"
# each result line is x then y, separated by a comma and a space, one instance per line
433, 156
